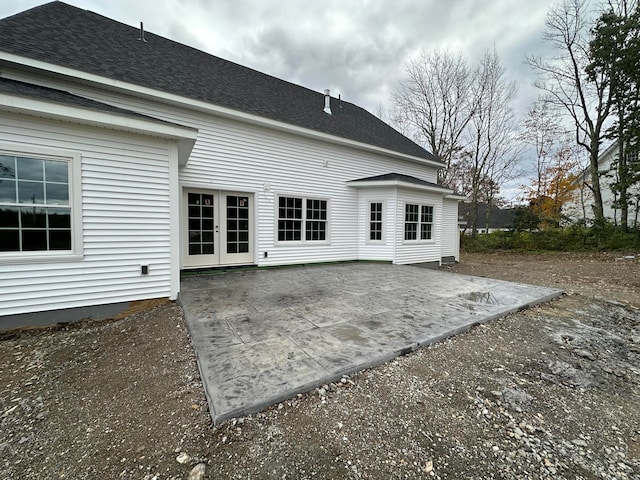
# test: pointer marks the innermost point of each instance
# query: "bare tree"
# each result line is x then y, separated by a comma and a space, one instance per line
542, 131
564, 79
435, 100
557, 185
615, 54
493, 146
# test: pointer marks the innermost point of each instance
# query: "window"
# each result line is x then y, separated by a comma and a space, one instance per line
375, 221
35, 206
289, 219
316, 221
633, 156
426, 222
297, 215
418, 222
201, 223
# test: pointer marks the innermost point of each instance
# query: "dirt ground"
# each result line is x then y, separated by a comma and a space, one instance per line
550, 392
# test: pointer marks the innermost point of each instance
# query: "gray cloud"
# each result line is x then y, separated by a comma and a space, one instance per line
356, 48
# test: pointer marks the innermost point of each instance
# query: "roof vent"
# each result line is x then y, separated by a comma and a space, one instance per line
327, 101
141, 37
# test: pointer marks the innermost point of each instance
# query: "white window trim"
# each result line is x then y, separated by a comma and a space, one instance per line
75, 202
383, 240
433, 223
303, 240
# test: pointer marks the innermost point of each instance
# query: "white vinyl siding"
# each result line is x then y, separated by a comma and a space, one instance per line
418, 251
281, 162
234, 156
450, 231
125, 220
382, 250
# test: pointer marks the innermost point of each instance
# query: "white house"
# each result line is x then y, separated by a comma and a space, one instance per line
581, 209
126, 157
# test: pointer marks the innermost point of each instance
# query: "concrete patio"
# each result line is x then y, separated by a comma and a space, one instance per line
261, 336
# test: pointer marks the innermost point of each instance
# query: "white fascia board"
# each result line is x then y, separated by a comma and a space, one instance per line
185, 136
455, 196
399, 184
210, 108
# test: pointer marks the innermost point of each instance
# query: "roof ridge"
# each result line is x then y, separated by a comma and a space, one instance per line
91, 43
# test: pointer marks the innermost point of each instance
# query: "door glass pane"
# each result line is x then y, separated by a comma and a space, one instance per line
201, 224
237, 240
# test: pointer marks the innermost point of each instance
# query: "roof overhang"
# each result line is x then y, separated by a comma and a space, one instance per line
399, 184
210, 108
455, 196
184, 136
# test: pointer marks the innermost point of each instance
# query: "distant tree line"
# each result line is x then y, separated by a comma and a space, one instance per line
462, 112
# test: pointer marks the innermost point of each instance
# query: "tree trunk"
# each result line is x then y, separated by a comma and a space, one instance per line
622, 171
598, 211
474, 213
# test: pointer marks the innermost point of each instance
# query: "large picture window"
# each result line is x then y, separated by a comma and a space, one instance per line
418, 222
35, 207
302, 219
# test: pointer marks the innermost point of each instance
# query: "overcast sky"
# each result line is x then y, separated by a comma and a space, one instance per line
357, 48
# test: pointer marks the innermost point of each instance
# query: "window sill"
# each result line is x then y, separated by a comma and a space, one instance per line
300, 243
12, 259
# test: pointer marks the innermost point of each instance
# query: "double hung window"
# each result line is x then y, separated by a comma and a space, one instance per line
302, 219
375, 221
418, 222
35, 204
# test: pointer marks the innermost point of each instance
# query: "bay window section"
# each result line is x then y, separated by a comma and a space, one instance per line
426, 222
418, 222
375, 221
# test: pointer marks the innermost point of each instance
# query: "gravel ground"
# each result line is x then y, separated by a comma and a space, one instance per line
550, 392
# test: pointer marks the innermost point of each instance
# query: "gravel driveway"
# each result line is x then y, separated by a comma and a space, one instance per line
550, 392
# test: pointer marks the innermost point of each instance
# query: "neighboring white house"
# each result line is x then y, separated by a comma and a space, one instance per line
581, 209
126, 157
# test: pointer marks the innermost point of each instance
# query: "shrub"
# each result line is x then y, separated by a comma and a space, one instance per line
572, 238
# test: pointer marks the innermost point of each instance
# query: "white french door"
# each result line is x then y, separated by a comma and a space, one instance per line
218, 228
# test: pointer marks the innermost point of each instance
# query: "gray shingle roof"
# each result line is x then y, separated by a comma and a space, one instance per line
498, 218
82, 40
29, 90
400, 178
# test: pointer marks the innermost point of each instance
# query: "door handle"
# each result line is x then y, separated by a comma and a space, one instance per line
217, 228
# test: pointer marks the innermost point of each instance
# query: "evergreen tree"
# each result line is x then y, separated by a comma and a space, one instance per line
615, 54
